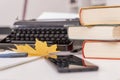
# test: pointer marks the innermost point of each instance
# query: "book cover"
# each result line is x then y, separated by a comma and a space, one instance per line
100, 15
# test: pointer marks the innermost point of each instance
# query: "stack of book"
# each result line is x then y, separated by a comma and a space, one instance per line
101, 32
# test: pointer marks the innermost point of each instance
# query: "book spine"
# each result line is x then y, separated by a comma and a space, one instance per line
80, 16
83, 46
81, 20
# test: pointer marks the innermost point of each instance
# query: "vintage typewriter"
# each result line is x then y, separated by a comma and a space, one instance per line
53, 32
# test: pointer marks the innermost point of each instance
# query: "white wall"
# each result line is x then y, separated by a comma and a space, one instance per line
112, 2
83, 3
10, 10
36, 7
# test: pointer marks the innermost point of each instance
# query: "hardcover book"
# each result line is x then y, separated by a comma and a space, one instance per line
101, 15
94, 33
101, 49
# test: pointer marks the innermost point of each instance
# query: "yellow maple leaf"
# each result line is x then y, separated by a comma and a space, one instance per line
41, 49
20, 48
52, 48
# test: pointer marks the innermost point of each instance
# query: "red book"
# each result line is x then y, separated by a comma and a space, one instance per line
101, 49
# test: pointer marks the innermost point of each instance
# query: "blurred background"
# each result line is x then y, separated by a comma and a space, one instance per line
12, 10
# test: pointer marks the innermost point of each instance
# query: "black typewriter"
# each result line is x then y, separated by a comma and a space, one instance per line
25, 32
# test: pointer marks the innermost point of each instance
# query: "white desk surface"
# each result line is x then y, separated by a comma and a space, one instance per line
43, 70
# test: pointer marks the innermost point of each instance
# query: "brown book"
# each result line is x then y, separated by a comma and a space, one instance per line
94, 33
101, 49
101, 15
